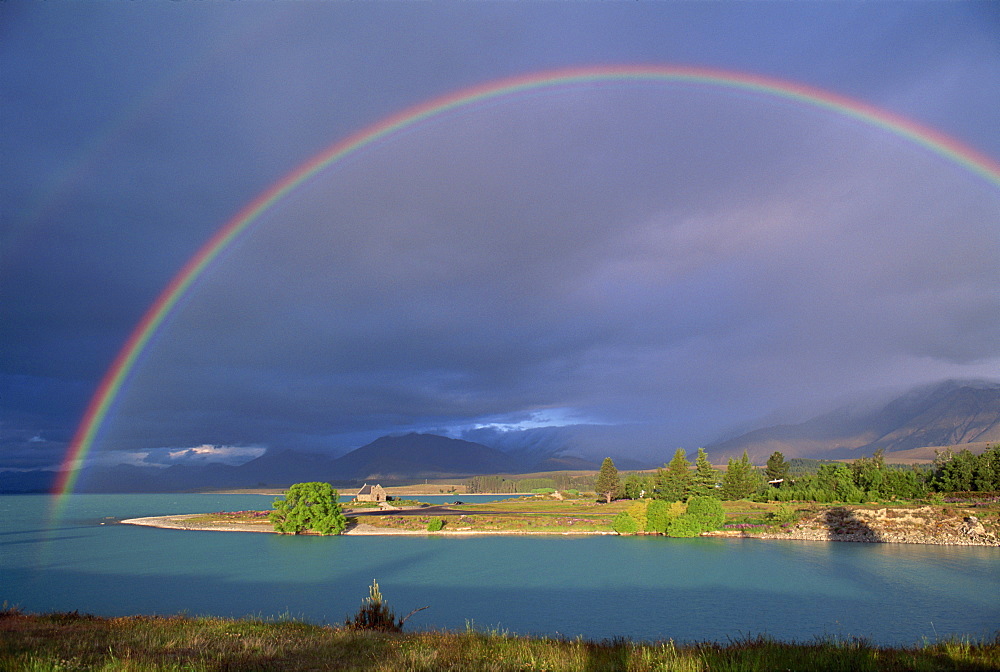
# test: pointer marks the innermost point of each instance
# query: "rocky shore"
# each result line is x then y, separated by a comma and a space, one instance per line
923, 525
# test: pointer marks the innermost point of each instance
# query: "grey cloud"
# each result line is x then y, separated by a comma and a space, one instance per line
685, 257
549, 252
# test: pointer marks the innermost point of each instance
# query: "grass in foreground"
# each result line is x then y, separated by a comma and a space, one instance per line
79, 642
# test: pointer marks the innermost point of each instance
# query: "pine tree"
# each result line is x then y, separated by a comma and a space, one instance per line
674, 483
741, 479
776, 468
705, 476
608, 484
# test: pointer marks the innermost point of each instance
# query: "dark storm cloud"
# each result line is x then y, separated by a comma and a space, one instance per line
597, 250
682, 259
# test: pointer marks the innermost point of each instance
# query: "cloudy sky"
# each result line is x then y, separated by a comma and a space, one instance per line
671, 261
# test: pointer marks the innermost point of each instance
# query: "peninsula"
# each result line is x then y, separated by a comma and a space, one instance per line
960, 524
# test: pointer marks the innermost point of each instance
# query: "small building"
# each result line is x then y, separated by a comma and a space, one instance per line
371, 493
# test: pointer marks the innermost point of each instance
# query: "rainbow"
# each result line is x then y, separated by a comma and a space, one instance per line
117, 375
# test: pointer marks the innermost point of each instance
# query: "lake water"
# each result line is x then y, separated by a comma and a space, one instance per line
598, 587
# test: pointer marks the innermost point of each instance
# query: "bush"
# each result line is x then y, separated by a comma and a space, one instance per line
684, 526
658, 516
782, 514
638, 512
376, 614
624, 524
435, 525
707, 511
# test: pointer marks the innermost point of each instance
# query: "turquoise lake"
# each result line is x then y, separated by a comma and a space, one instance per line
639, 587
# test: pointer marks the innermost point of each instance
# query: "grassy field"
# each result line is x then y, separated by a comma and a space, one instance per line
37, 643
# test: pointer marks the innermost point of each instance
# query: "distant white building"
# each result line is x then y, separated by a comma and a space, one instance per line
371, 493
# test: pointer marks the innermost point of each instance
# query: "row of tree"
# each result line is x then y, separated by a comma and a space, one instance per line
964, 471
679, 480
865, 479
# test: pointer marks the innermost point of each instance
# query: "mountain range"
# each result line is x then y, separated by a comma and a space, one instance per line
389, 459
947, 414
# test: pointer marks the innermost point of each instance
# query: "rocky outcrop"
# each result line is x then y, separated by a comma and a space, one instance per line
923, 525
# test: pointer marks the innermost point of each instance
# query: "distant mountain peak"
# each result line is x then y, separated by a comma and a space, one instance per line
422, 455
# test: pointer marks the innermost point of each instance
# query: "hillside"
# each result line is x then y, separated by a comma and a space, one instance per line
949, 414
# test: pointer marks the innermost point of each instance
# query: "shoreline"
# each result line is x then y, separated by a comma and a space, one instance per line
175, 522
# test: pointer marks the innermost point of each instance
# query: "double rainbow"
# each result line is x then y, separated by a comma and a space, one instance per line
117, 375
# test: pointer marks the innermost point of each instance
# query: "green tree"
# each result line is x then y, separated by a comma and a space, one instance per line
638, 486
706, 477
904, 483
987, 470
870, 473
673, 484
608, 485
957, 473
837, 484
741, 479
776, 468
308, 506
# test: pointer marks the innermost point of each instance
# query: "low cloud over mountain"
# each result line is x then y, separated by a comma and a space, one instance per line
949, 413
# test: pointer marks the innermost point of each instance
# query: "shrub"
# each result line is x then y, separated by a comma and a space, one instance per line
658, 516
782, 514
638, 512
624, 524
684, 526
435, 525
707, 511
376, 614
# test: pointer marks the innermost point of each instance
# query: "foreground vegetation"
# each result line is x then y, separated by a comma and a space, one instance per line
56, 642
